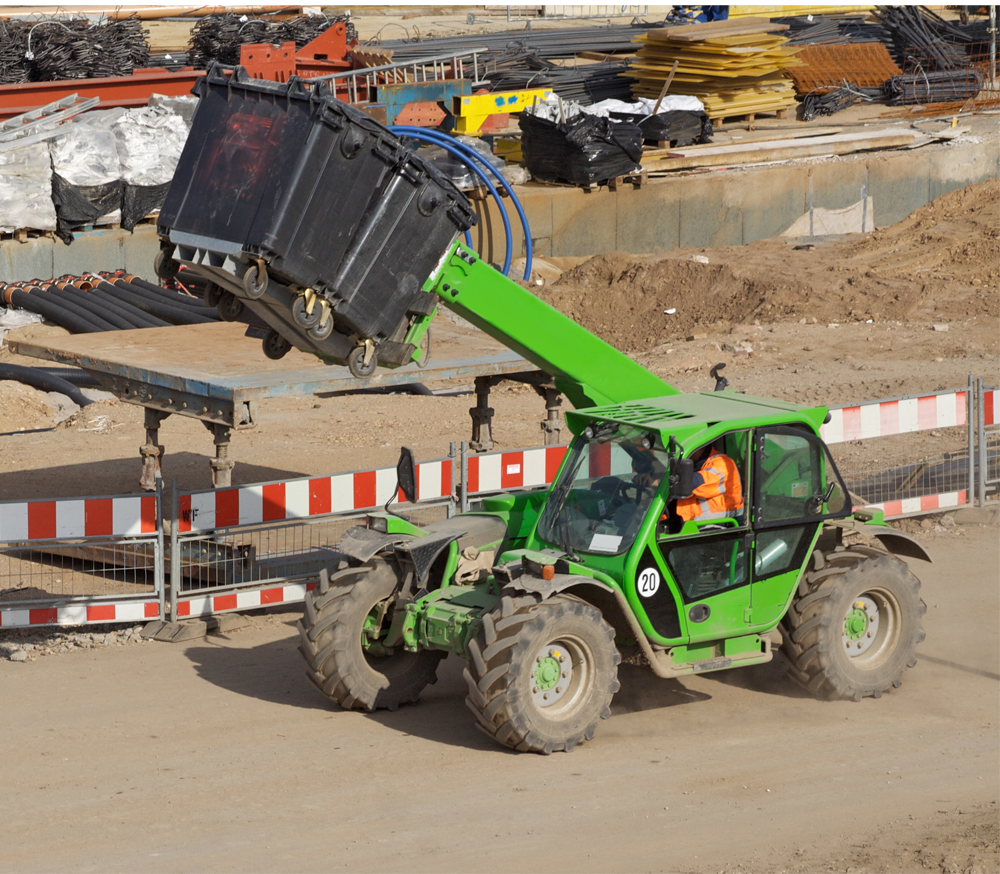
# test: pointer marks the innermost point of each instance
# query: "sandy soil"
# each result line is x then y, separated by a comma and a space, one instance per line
219, 755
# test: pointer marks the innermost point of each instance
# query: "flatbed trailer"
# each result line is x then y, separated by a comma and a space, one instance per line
214, 373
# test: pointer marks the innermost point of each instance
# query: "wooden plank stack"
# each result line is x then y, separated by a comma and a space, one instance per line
735, 67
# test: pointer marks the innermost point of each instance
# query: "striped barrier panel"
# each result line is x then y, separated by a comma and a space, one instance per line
80, 613
307, 498
520, 469
209, 605
989, 406
129, 516
76, 519
900, 416
922, 504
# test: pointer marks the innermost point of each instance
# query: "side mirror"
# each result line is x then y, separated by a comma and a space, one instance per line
682, 478
406, 474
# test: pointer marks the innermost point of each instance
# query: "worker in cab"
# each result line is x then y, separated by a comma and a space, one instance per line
718, 492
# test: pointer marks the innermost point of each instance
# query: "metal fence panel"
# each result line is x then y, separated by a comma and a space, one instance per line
988, 441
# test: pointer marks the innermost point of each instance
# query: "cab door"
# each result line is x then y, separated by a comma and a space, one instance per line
709, 563
796, 485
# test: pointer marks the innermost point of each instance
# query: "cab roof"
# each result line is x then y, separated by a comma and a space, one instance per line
687, 414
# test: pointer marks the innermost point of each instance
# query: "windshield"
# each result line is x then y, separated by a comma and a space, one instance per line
603, 491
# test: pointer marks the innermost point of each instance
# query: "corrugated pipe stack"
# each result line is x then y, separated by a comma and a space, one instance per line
86, 305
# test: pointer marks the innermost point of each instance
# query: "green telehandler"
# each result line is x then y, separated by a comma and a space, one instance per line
540, 591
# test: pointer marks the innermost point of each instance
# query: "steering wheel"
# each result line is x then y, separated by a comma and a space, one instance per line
621, 493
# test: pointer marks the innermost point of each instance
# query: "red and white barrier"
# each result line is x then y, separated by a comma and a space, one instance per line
904, 416
80, 613
208, 605
989, 407
523, 469
70, 518
307, 498
923, 504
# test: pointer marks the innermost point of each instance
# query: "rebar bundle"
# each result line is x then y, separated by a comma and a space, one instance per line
933, 86
832, 29
919, 37
79, 50
219, 37
585, 84
828, 101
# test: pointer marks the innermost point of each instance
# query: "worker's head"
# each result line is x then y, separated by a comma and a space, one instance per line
702, 452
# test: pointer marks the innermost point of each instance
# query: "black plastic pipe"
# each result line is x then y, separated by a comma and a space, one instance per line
37, 378
51, 310
139, 316
78, 377
174, 298
146, 301
76, 303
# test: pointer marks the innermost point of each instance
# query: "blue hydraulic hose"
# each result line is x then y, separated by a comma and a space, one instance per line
453, 147
448, 143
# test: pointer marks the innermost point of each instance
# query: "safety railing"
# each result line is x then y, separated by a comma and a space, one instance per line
252, 546
988, 443
76, 561
875, 444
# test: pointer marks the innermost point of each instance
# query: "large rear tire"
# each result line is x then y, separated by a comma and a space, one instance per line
340, 633
854, 626
542, 673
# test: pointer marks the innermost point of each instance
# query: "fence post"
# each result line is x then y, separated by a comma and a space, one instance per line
175, 550
465, 477
981, 439
970, 397
158, 575
450, 509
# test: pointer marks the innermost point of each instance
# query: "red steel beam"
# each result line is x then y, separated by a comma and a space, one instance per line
129, 91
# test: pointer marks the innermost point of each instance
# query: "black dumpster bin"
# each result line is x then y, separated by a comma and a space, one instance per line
287, 177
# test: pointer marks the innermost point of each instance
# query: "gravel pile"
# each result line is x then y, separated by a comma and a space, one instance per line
29, 644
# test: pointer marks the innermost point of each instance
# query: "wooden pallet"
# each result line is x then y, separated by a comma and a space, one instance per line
22, 235
750, 117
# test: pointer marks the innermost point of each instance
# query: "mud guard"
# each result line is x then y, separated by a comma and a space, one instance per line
896, 542
535, 585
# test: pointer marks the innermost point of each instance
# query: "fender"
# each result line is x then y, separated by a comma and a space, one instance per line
532, 584
894, 540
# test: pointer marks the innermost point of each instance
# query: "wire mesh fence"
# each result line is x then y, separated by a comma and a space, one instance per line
988, 443
41, 572
253, 557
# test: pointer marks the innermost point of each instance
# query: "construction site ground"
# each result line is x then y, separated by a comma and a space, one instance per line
219, 754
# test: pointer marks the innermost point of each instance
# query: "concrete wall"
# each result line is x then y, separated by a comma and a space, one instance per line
90, 252
718, 208
734, 207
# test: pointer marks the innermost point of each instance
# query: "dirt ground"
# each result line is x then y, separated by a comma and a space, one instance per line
218, 754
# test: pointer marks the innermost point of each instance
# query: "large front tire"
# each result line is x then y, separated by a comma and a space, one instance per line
542, 673
855, 625
340, 634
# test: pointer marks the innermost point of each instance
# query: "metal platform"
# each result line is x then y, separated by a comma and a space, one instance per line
214, 373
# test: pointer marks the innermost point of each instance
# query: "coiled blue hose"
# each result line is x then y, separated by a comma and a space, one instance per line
471, 157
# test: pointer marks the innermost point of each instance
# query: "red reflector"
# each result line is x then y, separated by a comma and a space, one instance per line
548, 572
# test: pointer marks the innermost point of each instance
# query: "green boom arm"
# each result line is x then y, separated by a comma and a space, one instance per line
585, 368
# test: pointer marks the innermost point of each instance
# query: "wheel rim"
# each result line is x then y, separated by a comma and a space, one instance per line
871, 628
562, 676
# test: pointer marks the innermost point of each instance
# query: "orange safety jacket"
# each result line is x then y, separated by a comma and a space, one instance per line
718, 493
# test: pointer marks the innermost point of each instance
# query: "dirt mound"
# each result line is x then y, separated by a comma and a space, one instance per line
637, 303
23, 408
940, 263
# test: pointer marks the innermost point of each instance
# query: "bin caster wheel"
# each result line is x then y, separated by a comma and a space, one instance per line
255, 281
164, 266
212, 294
323, 330
276, 346
356, 362
230, 307
303, 318
425, 350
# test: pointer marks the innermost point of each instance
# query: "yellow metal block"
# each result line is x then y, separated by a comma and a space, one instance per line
471, 110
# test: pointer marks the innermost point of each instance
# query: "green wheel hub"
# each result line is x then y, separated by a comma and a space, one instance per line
552, 675
861, 625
